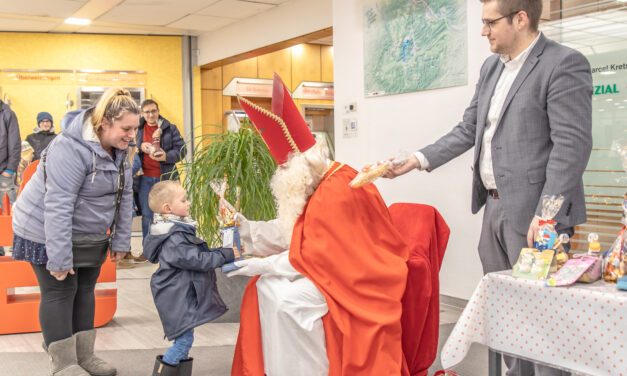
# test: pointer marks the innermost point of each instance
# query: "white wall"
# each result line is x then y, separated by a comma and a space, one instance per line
407, 122
289, 20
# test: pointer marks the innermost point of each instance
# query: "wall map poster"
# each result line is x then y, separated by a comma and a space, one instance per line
412, 45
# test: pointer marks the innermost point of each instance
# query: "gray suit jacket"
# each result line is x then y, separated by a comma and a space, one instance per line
543, 139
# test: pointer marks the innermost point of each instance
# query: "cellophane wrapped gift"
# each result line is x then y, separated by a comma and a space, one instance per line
547, 236
228, 223
615, 259
372, 171
155, 147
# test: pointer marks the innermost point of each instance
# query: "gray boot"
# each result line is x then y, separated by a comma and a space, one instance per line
85, 354
185, 367
165, 369
63, 358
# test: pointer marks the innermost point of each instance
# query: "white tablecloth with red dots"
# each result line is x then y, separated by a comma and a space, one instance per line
582, 328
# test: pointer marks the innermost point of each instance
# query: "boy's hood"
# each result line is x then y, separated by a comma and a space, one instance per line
160, 232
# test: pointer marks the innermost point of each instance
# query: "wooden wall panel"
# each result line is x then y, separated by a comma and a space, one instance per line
226, 106
279, 62
245, 68
326, 63
211, 107
314, 63
305, 64
211, 78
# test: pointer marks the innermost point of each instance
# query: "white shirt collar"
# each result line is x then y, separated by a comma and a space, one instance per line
520, 59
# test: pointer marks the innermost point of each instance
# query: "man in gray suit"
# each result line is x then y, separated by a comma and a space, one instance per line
530, 122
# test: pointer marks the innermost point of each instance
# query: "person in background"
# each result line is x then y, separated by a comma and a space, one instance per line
10, 154
25, 159
530, 122
184, 285
76, 189
42, 134
158, 158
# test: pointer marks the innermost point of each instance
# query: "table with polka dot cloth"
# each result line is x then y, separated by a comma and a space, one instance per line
582, 328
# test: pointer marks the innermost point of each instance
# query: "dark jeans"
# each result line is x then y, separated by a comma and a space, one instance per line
67, 306
144, 188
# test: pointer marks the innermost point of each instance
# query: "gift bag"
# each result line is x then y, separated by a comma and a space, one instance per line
533, 264
547, 236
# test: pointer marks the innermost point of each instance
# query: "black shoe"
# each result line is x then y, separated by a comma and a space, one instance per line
164, 369
185, 367
1, 251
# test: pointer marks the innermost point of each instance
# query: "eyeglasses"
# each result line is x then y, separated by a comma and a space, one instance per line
489, 23
151, 112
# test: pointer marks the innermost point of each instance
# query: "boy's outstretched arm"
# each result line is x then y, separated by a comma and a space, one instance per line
196, 257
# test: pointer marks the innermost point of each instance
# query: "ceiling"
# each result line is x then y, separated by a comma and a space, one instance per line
152, 17
591, 33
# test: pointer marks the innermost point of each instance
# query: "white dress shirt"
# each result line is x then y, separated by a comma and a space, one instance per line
512, 67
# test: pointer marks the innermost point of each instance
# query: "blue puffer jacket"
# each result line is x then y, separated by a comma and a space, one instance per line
80, 193
171, 142
184, 286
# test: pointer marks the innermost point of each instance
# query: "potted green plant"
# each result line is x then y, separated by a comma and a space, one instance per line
243, 158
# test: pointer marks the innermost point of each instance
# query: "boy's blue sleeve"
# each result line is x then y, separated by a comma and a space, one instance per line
188, 256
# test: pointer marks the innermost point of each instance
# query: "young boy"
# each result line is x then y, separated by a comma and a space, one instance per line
184, 285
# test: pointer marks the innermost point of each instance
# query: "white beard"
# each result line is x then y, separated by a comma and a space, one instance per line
294, 182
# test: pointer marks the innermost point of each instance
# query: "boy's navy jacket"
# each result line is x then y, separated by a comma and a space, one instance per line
184, 286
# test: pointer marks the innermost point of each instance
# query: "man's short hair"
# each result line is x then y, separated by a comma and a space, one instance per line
161, 193
147, 102
533, 8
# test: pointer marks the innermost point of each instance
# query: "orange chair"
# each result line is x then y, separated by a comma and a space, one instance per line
29, 171
23, 309
6, 230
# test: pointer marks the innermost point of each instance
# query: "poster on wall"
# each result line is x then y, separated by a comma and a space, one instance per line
414, 45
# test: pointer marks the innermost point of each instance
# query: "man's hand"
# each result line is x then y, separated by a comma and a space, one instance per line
159, 157
6, 174
397, 170
117, 256
534, 228
60, 276
146, 146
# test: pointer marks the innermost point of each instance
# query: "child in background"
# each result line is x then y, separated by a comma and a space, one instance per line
25, 159
184, 286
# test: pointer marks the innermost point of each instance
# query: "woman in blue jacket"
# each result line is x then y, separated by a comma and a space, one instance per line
75, 190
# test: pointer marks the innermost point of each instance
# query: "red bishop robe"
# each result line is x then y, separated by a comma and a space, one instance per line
346, 244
